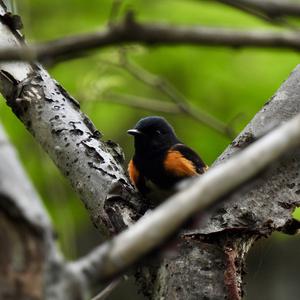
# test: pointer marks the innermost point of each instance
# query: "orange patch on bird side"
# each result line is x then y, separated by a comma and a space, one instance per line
178, 165
133, 173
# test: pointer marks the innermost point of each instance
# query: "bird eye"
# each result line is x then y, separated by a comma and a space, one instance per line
158, 132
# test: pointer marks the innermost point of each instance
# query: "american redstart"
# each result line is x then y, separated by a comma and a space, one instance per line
160, 159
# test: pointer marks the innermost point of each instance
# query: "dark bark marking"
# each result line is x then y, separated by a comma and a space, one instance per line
116, 151
93, 153
8, 86
92, 165
76, 131
90, 125
58, 131
65, 94
244, 140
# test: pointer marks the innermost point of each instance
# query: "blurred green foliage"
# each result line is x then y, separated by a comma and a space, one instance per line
223, 82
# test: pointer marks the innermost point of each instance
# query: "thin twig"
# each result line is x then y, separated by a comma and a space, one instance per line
113, 14
152, 80
273, 12
174, 95
271, 8
142, 103
252, 10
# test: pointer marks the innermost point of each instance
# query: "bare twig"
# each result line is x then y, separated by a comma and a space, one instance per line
163, 86
142, 103
115, 8
152, 80
119, 253
273, 10
152, 35
255, 10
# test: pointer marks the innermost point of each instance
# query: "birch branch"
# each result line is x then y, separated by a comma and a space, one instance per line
94, 167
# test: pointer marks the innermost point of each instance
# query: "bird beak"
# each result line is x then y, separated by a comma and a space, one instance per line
134, 132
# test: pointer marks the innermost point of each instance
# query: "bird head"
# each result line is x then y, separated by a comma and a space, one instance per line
153, 134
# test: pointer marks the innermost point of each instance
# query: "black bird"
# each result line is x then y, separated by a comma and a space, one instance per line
160, 159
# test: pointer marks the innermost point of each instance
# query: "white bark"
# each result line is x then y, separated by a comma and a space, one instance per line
94, 167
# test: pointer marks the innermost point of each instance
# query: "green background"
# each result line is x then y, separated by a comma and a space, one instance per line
223, 82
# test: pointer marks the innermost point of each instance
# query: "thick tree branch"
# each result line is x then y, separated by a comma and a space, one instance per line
130, 31
94, 167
